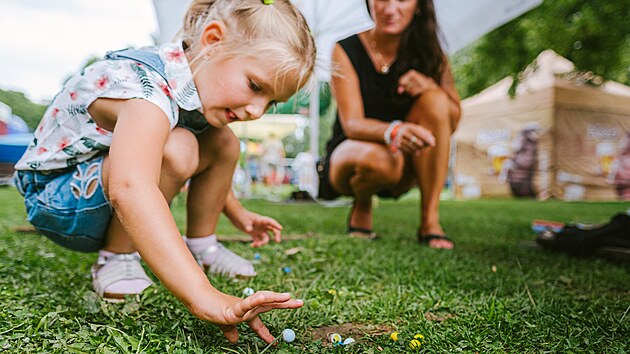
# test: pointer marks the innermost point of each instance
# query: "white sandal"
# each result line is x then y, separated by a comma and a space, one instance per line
109, 270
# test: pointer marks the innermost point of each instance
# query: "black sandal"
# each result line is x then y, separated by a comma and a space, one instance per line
359, 232
426, 238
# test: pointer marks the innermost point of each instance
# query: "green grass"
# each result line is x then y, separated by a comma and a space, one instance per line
535, 301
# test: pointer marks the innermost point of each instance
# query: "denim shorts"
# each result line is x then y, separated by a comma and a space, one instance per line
68, 206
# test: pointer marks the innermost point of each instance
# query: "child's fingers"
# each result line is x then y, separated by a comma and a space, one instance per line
274, 227
260, 298
261, 330
274, 224
230, 332
291, 304
277, 235
260, 239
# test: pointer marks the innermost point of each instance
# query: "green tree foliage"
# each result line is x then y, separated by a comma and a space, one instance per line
300, 102
29, 111
594, 35
23, 107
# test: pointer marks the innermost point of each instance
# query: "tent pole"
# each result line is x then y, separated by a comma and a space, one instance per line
313, 110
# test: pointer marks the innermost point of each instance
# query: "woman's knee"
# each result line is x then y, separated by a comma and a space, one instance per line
181, 154
432, 108
379, 167
365, 163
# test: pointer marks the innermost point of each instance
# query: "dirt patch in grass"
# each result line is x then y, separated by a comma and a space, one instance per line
24, 230
357, 331
438, 317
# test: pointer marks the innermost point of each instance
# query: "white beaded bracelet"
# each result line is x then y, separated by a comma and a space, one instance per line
387, 136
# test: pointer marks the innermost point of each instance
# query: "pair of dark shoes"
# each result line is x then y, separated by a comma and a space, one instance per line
368, 234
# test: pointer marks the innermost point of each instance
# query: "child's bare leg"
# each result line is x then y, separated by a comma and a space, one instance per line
117, 271
218, 154
179, 163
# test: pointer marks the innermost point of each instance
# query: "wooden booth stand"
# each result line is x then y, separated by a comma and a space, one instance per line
560, 137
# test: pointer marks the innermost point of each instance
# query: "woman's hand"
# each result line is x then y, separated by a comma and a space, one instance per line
259, 227
227, 311
415, 84
412, 137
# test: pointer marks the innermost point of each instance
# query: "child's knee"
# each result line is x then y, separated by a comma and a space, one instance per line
232, 146
181, 155
222, 144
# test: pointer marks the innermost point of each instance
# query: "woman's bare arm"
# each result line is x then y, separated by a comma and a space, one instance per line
347, 92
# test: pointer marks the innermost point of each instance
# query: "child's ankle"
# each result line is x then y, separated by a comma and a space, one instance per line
106, 253
199, 244
213, 257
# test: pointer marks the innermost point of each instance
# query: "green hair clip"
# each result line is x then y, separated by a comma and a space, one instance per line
268, 2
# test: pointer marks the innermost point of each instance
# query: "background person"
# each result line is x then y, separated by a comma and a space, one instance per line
109, 156
272, 160
520, 169
397, 108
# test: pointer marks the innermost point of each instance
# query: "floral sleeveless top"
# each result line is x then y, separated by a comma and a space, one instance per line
67, 135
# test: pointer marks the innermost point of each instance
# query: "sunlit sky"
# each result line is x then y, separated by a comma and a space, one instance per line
42, 42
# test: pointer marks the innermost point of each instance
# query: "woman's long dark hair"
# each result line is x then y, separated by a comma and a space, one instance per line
420, 47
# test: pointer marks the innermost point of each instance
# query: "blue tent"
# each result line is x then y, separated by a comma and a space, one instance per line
12, 146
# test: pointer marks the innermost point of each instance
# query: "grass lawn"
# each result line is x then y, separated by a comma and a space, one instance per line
491, 294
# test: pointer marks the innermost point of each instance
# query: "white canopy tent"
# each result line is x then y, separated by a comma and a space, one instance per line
463, 22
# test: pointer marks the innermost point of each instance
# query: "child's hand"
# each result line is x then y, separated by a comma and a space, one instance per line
228, 311
259, 227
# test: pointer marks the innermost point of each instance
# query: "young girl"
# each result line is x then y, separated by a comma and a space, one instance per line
112, 151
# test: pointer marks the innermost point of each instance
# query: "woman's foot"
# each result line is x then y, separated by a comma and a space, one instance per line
436, 241
362, 233
115, 276
431, 233
360, 221
216, 259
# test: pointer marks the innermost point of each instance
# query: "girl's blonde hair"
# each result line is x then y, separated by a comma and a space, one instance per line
276, 32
